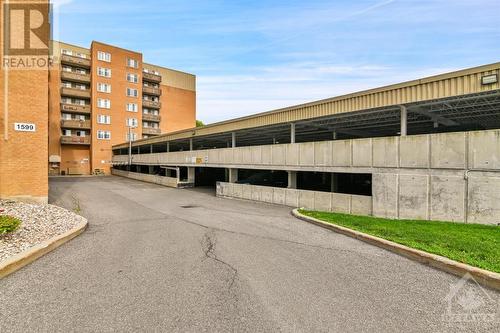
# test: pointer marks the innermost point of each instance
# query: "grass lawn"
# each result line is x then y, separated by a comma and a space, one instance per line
473, 244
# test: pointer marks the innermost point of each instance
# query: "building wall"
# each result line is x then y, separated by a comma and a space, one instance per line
75, 160
23, 155
178, 109
446, 176
101, 149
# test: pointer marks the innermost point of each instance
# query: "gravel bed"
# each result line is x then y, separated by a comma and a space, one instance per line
39, 223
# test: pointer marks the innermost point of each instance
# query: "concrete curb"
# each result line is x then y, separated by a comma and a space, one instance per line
484, 277
25, 258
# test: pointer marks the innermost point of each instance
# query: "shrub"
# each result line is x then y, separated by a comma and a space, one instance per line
8, 224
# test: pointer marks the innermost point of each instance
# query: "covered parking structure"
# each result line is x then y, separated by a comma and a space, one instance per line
415, 114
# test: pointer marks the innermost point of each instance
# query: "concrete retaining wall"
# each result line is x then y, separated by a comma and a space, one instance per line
160, 180
322, 201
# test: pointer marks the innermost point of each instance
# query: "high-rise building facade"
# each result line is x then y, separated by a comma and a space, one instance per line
106, 95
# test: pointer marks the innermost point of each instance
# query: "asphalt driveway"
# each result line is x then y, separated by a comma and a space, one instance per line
161, 259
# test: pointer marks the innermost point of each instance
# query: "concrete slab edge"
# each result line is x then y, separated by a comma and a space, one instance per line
482, 276
25, 258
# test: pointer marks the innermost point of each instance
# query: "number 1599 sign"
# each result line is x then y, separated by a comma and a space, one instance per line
24, 127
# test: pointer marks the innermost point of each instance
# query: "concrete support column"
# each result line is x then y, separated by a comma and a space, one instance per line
292, 133
233, 139
404, 120
178, 174
190, 144
292, 179
168, 147
151, 149
335, 183
334, 135
191, 173
233, 175
151, 170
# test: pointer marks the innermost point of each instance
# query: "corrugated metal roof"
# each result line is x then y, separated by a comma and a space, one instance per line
467, 81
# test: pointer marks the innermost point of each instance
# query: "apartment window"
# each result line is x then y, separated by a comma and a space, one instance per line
66, 132
104, 87
104, 135
133, 78
103, 103
81, 133
132, 122
103, 119
132, 107
105, 72
66, 116
128, 137
132, 92
104, 56
132, 63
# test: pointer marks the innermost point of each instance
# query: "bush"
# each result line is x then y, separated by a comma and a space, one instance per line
8, 224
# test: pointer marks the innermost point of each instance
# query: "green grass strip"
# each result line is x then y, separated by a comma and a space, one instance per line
473, 244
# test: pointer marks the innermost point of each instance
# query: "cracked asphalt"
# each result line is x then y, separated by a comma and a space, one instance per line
156, 259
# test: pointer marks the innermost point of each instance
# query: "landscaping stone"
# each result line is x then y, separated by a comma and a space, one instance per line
39, 222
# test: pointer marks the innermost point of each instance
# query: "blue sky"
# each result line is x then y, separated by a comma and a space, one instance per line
255, 56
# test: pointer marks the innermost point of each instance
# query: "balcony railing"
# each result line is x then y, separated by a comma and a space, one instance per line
151, 77
75, 140
151, 91
151, 104
76, 77
73, 108
151, 117
76, 61
73, 92
151, 131
74, 123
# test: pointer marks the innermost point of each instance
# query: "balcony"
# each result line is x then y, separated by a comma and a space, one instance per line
151, 77
74, 123
75, 61
75, 77
73, 108
151, 91
73, 92
75, 140
151, 104
151, 131
151, 117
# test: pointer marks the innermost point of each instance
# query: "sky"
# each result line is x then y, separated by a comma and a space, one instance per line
256, 56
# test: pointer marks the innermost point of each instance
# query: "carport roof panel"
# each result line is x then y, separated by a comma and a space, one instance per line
463, 82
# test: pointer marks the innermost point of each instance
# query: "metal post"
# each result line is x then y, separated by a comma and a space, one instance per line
191, 144
168, 147
334, 135
292, 133
151, 149
404, 120
129, 148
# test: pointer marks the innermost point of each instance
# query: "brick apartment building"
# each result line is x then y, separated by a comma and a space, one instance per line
64, 118
96, 95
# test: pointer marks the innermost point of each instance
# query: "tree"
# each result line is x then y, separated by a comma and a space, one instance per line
199, 123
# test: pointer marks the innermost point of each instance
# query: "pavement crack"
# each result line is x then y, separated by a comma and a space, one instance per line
208, 245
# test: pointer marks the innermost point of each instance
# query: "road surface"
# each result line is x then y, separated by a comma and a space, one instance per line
161, 259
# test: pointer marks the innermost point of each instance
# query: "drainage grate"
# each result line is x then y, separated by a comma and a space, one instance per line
189, 206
